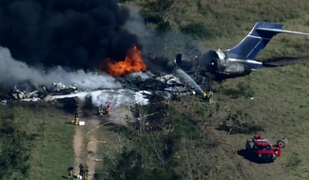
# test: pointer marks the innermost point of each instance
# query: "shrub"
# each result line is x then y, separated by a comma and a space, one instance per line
197, 30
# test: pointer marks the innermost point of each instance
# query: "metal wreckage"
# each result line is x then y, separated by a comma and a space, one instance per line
167, 85
145, 82
56, 89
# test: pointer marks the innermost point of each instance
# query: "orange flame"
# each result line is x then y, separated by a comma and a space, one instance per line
133, 63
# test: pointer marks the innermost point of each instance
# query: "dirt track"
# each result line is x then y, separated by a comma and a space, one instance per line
80, 147
93, 148
80, 142
77, 147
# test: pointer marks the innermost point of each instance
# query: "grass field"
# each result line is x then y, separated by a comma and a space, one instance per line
279, 107
51, 151
222, 24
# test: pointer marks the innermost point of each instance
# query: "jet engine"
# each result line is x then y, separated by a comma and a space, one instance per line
218, 64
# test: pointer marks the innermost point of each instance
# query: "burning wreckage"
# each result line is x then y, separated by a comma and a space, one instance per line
168, 85
142, 85
138, 85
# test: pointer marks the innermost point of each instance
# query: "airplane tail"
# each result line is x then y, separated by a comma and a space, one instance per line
258, 38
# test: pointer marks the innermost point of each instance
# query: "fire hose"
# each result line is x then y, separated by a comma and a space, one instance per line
95, 141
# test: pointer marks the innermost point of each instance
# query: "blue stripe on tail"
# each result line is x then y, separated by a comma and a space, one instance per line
255, 41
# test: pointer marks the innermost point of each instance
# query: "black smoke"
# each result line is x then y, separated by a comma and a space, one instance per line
73, 33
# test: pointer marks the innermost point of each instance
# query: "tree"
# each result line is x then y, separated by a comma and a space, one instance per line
161, 9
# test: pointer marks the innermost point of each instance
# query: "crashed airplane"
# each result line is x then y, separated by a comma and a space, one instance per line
167, 84
138, 88
239, 60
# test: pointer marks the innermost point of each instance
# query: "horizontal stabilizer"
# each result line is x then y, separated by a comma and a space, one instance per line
257, 39
282, 31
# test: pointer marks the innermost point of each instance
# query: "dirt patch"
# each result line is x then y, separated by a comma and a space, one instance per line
78, 146
121, 115
92, 148
285, 61
88, 145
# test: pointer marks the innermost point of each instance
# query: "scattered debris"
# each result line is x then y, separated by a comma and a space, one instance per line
63, 89
139, 86
17, 94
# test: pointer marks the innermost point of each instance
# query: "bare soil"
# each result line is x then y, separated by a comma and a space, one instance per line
121, 115
285, 61
80, 143
118, 116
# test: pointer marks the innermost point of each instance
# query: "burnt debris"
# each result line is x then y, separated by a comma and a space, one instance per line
145, 82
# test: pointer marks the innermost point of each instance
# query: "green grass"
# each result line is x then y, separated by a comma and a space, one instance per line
280, 107
114, 144
222, 24
56, 146
52, 152
149, 155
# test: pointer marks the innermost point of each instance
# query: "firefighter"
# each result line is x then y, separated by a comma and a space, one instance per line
210, 94
70, 171
86, 171
101, 110
207, 95
81, 170
76, 121
108, 109
277, 149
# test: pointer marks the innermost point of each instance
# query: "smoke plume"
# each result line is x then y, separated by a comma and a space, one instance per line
73, 33
159, 43
13, 72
